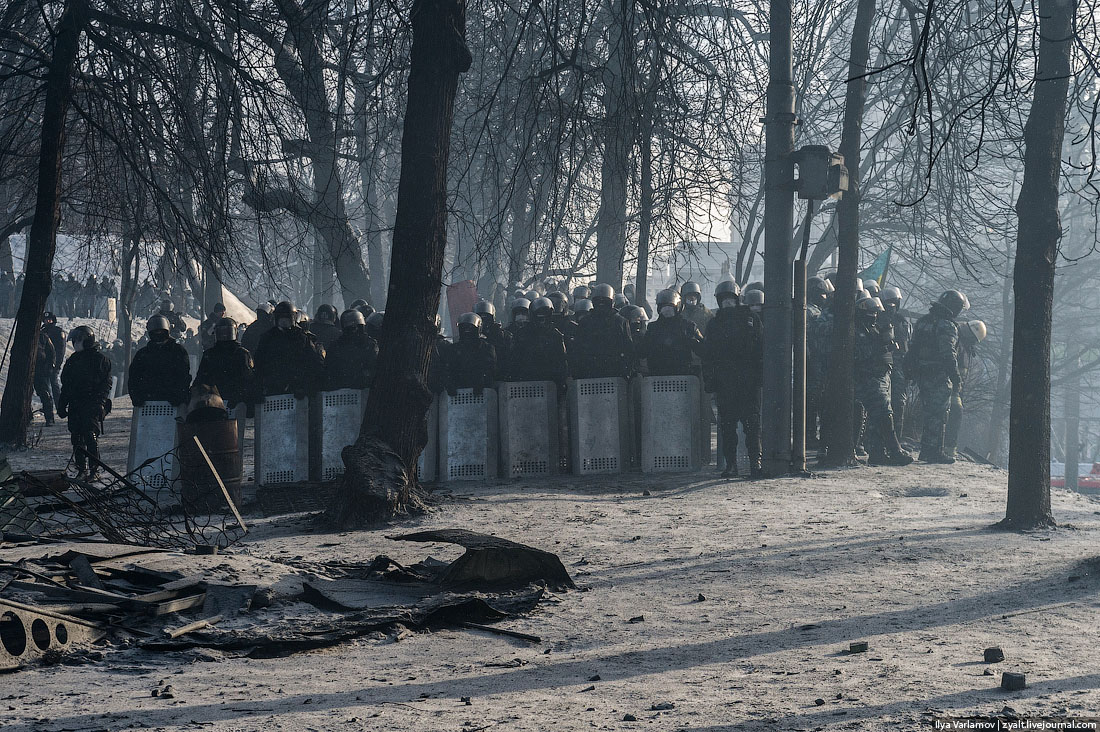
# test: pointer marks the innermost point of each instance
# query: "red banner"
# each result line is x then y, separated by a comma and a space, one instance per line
461, 298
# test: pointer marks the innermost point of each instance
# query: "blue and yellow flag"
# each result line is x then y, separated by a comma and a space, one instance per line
878, 269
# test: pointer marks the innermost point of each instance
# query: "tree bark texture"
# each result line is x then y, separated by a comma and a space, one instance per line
994, 452
15, 409
380, 476
645, 227
1040, 229
839, 394
1073, 424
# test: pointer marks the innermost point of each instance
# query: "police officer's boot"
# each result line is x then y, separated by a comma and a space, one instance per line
730, 456
895, 453
931, 449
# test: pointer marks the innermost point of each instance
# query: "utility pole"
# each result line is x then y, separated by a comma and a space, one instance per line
778, 225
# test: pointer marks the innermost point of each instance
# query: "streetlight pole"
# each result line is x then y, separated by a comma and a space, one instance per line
778, 225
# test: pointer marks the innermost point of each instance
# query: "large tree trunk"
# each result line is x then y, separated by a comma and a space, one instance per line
15, 410
1040, 228
840, 396
380, 476
618, 141
645, 224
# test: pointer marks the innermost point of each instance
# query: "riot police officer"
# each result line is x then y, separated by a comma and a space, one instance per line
57, 338
521, 315
175, 321
581, 309
733, 369
227, 366
499, 337
206, 328
970, 335
670, 340
637, 320
903, 331
324, 325
933, 361
538, 349
754, 300
160, 371
603, 347
440, 360
262, 324
288, 360
619, 302
351, 360
473, 361
562, 318
85, 398
581, 292
694, 309
874, 354
872, 287
374, 325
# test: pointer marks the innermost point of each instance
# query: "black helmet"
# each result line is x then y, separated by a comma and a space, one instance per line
891, 294
602, 292
560, 300
226, 330
351, 318
727, 289
49, 318
218, 308
375, 319
357, 304
954, 301
157, 322
636, 317
532, 295
325, 314
819, 285
266, 308
753, 297
365, 309
870, 305
484, 307
167, 306
620, 302
469, 323
520, 304
872, 287
581, 292
754, 286
691, 288
285, 309
81, 335
668, 297
584, 305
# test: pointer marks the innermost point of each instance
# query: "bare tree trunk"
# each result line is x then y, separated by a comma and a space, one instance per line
380, 478
840, 395
1073, 423
1001, 396
15, 409
618, 142
1040, 228
645, 226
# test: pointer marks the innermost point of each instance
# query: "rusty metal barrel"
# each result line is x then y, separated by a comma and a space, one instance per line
199, 488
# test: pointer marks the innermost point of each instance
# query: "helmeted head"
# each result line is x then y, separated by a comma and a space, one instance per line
541, 309
581, 308
218, 310
603, 295
862, 295
157, 328
619, 302
264, 310
469, 326
355, 305
872, 287
754, 299
485, 309
521, 310
818, 290
225, 330
858, 285
869, 307
629, 290
691, 293
532, 295
975, 331
561, 302
637, 319
49, 318
167, 306
891, 299
727, 294
374, 324
352, 321
285, 315
668, 303
581, 292
954, 302
753, 286
325, 314
365, 309
82, 338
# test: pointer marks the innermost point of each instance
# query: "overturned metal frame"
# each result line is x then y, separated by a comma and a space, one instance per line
27, 633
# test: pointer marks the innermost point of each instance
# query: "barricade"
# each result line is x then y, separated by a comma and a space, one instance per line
600, 428
468, 435
153, 435
341, 417
670, 436
427, 467
529, 423
282, 440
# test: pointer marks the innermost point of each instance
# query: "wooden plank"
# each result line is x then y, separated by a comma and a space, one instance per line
176, 606
84, 572
197, 625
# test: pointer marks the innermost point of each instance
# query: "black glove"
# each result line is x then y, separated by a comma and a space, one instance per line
299, 395
451, 391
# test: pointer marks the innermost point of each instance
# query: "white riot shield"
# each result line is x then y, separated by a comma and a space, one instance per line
468, 435
669, 407
427, 467
600, 425
341, 416
153, 437
529, 443
282, 440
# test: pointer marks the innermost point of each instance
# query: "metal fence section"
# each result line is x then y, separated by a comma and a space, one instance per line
669, 418
152, 439
282, 440
341, 416
427, 467
600, 426
468, 435
529, 424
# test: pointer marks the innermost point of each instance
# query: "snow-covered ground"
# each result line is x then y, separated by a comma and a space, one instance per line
750, 594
